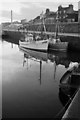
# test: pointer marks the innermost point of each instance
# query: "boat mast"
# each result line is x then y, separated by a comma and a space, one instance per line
56, 25
44, 25
42, 17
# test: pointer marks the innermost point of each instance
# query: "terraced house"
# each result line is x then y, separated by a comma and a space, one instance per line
67, 14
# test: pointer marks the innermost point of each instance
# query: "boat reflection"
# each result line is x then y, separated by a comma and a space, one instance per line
36, 56
58, 58
68, 83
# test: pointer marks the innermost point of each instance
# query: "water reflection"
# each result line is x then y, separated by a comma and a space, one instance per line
13, 40
40, 71
58, 57
37, 90
61, 57
65, 91
39, 57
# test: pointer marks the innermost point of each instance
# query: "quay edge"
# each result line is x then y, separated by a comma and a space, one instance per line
68, 37
73, 111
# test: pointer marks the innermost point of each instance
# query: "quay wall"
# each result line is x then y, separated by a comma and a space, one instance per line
67, 31
63, 27
16, 35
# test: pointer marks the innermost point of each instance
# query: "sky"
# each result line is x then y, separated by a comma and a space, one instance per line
29, 9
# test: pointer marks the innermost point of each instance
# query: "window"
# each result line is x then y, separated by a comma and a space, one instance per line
63, 16
73, 20
66, 15
60, 12
64, 11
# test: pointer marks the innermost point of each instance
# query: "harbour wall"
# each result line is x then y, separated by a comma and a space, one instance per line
70, 27
67, 31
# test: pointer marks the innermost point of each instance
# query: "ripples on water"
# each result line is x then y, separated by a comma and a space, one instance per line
30, 82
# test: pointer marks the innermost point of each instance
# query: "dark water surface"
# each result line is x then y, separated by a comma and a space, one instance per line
30, 82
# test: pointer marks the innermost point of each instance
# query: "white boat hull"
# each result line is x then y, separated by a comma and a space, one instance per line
35, 45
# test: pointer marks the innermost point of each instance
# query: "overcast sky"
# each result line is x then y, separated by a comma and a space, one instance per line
29, 9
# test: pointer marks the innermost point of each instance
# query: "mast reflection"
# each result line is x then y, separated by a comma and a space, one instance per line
40, 71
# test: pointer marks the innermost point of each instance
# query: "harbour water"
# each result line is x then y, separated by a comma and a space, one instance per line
31, 82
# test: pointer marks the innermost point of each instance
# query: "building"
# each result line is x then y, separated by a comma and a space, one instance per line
5, 24
71, 17
67, 14
64, 14
50, 17
79, 11
23, 21
79, 16
37, 20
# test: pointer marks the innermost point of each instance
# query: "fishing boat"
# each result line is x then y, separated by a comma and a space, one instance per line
41, 45
55, 42
35, 44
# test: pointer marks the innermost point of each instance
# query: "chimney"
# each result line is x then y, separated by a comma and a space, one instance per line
47, 11
59, 7
71, 7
